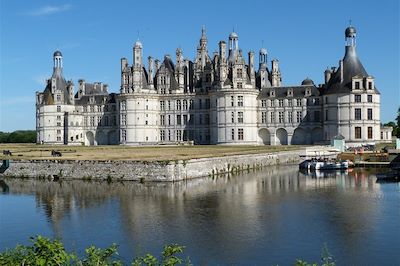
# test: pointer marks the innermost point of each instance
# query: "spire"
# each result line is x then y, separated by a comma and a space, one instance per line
203, 39
58, 63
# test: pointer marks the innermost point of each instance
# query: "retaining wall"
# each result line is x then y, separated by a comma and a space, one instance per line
146, 171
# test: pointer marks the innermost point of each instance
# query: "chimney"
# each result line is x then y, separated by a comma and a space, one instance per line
341, 70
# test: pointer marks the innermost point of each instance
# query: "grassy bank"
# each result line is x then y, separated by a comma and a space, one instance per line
142, 153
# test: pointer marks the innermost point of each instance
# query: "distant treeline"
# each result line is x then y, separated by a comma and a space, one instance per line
19, 136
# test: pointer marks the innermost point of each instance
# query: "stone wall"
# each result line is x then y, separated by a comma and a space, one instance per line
147, 171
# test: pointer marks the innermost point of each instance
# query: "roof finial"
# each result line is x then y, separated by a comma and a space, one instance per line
203, 30
350, 22
138, 35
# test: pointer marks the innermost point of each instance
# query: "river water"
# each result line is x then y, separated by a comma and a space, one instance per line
268, 217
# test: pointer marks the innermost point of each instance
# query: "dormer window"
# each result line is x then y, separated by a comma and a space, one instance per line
290, 92
357, 85
370, 85
308, 92
272, 93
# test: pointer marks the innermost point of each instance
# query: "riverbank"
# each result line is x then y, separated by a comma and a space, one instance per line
157, 170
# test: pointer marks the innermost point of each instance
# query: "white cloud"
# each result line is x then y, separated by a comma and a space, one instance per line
49, 10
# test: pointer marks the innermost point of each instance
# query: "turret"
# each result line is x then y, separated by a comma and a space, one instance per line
251, 72
150, 70
58, 63
276, 74
137, 54
328, 74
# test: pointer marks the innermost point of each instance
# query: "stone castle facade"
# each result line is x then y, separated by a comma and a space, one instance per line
216, 99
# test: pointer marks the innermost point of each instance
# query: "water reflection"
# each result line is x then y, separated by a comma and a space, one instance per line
228, 218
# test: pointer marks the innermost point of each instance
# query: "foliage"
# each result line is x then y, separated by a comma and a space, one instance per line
169, 257
46, 252
326, 259
19, 136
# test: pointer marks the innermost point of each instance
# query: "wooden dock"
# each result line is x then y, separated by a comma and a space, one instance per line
372, 164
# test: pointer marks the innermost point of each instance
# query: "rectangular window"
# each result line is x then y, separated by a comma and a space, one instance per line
123, 106
207, 103
264, 117
316, 101
369, 113
272, 103
178, 120
162, 120
169, 135
162, 135
99, 120
357, 113
298, 102
240, 85
357, 98
178, 105
290, 117
98, 108
207, 119
298, 117
58, 108
370, 132
370, 85
185, 105
169, 105
233, 134
280, 102
281, 117
232, 101
58, 118
263, 103
326, 115
169, 120
357, 85
84, 109
58, 131
191, 103
317, 116
240, 117
369, 97
290, 103
123, 120
92, 108
162, 105
92, 120
85, 119
272, 117
123, 135
240, 100
233, 117
184, 119
240, 134
179, 135
357, 132
239, 73
58, 97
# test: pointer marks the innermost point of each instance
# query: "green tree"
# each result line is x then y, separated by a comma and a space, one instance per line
398, 123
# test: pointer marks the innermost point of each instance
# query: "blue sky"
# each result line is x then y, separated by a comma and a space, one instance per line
306, 37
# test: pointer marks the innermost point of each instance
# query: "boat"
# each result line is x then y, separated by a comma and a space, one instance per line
323, 164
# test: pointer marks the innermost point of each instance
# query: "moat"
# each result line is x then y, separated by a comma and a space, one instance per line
267, 217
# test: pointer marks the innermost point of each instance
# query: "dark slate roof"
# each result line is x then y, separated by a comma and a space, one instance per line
57, 53
307, 81
98, 99
351, 67
282, 92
